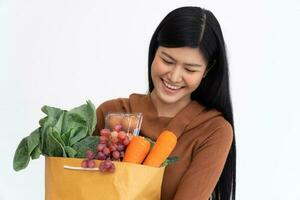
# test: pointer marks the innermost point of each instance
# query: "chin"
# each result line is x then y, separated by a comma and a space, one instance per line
170, 99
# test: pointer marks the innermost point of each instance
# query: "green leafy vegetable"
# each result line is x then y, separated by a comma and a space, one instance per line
36, 153
70, 151
61, 133
53, 146
89, 143
25, 149
151, 142
169, 161
21, 158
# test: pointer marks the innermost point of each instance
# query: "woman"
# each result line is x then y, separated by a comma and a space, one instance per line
189, 95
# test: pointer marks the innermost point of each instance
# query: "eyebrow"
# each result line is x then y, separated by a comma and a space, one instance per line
189, 64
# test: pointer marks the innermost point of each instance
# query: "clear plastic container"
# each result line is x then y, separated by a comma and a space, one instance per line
130, 122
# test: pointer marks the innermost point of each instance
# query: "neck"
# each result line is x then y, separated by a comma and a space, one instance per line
168, 109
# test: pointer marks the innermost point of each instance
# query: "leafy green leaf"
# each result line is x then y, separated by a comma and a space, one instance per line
92, 117
72, 121
151, 142
61, 133
21, 157
24, 150
59, 123
66, 136
35, 154
88, 143
33, 140
53, 118
58, 137
43, 140
53, 115
169, 161
79, 134
54, 148
87, 115
70, 151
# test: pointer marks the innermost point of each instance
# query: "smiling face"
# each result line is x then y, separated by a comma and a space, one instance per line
176, 73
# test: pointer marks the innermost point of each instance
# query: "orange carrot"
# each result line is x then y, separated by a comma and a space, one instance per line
137, 150
163, 147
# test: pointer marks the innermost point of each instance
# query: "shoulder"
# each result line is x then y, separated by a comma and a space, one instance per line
223, 129
210, 126
216, 138
208, 119
220, 133
220, 128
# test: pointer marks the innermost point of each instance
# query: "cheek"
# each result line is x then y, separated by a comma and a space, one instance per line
158, 68
154, 71
194, 81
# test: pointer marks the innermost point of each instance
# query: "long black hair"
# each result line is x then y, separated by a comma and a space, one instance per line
198, 28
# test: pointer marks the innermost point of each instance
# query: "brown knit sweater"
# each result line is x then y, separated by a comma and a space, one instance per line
204, 140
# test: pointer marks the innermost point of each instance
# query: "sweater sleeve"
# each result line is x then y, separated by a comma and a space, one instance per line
113, 105
206, 166
100, 120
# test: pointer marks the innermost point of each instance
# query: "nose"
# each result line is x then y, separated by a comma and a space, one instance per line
175, 74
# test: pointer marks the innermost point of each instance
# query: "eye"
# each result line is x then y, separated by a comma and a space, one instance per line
189, 70
167, 62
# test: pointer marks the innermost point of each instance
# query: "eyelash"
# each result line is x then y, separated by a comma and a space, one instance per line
170, 63
190, 71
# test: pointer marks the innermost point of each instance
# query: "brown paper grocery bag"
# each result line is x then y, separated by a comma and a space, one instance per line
128, 182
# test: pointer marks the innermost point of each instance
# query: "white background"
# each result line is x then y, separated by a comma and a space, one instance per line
62, 53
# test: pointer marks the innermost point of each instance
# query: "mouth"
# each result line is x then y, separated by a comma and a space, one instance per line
170, 87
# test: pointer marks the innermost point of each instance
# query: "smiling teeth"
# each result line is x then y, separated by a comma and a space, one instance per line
171, 86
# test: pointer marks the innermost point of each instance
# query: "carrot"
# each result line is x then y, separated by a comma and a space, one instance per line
163, 147
137, 150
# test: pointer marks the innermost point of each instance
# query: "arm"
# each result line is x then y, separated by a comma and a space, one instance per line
100, 120
209, 158
114, 105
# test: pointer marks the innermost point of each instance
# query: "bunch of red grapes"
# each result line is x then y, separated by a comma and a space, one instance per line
111, 147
